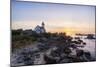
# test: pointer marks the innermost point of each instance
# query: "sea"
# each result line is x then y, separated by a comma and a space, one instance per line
90, 45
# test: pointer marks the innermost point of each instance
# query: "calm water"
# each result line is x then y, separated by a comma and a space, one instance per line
90, 46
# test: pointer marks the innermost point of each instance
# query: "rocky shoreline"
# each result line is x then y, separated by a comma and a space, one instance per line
52, 50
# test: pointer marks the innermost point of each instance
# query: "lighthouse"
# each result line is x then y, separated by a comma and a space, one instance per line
40, 29
43, 24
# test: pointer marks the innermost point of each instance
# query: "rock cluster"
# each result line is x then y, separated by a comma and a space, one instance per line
52, 51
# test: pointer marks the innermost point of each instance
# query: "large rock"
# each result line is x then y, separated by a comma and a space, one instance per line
88, 55
79, 52
49, 60
42, 46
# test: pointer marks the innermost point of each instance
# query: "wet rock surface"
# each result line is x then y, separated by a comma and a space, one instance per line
51, 51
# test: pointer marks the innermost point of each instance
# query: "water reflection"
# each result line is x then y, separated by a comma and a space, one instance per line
90, 45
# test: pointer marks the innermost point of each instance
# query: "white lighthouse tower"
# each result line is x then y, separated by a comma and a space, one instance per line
43, 24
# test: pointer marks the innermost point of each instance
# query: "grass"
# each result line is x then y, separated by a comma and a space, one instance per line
19, 41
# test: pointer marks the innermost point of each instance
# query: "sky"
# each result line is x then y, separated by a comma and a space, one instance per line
67, 18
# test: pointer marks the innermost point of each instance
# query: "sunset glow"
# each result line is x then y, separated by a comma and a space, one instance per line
70, 19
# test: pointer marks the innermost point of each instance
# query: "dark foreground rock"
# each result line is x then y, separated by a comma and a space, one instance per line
52, 51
